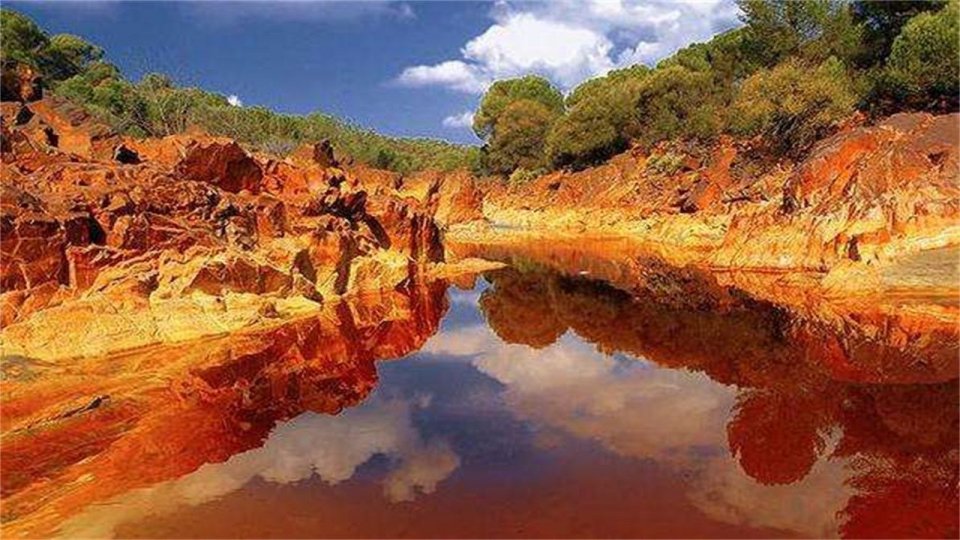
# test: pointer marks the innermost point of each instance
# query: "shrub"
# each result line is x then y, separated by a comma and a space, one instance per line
666, 163
522, 176
792, 105
924, 60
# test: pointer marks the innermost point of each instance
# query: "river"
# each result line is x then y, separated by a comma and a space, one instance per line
531, 401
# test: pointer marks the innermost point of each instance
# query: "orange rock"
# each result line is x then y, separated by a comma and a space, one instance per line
144, 234
869, 194
20, 82
320, 154
223, 164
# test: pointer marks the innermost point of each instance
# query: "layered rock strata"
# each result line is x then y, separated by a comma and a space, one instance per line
864, 200
138, 242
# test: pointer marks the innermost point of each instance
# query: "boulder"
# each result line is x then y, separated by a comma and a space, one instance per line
236, 273
320, 154
221, 163
20, 82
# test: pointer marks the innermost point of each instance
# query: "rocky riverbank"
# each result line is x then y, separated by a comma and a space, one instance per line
864, 204
111, 243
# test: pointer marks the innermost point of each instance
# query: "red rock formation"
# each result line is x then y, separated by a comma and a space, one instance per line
221, 163
90, 215
863, 199
20, 82
459, 199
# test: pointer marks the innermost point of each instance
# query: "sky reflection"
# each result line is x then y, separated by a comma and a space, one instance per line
470, 409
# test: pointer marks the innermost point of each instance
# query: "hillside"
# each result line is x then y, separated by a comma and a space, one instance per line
78, 71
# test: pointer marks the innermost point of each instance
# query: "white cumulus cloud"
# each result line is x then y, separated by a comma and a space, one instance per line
235, 100
525, 42
329, 447
570, 41
452, 73
462, 120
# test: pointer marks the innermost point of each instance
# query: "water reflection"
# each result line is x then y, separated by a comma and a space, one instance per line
82, 434
543, 404
901, 439
328, 447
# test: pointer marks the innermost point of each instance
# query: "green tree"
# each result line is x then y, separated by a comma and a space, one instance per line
506, 92
22, 38
813, 29
586, 135
600, 119
66, 55
599, 87
924, 61
882, 21
792, 105
678, 102
514, 118
519, 137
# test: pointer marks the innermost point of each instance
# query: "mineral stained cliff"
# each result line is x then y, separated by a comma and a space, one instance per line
127, 243
862, 204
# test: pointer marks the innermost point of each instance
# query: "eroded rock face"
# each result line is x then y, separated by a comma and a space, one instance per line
869, 195
459, 200
159, 240
221, 163
20, 82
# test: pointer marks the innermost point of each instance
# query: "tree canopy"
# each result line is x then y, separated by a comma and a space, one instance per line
924, 61
156, 106
793, 72
503, 93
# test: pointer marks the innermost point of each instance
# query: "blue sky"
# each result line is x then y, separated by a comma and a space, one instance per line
401, 68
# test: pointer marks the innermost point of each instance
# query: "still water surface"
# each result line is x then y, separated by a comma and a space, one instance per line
558, 406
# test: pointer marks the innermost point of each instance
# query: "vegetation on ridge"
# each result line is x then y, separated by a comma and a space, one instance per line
75, 69
790, 75
794, 72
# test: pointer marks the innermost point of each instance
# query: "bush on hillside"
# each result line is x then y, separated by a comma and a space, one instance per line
519, 137
675, 102
793, 105
666, 163
922, 70
522, 176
